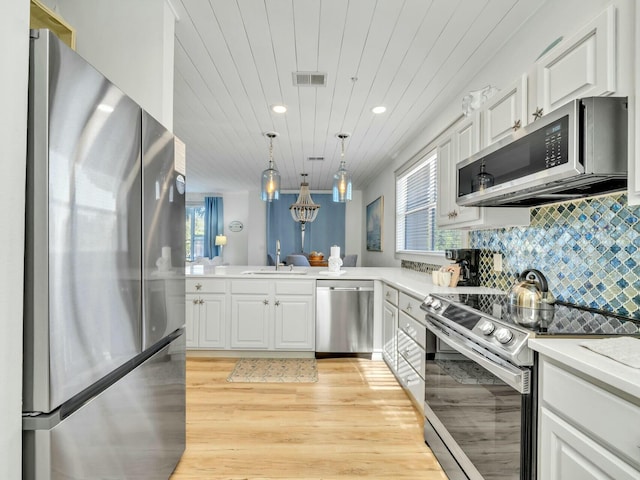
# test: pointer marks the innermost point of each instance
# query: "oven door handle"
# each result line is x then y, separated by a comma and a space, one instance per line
514, 377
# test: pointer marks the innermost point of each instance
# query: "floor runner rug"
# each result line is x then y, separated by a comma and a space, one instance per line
275, 370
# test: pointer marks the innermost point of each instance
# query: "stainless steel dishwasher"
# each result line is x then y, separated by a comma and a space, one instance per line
344, 317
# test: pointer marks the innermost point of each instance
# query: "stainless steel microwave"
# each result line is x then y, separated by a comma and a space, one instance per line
578, 150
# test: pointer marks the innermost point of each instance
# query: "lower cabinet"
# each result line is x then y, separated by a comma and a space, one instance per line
389, 326
206, 314
294, 322
250, 315
584, 431
273, 315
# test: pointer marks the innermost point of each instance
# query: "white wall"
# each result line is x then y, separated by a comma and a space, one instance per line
14, 55
354, 227
131, 43
554, 19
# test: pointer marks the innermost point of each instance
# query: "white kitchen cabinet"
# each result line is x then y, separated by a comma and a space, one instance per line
250, 321
505, 112
464, 141
390, 326
583, 65
585, 439
634, 158
206, 313
294, 322
566, 452
460, 142
411, 340
273, 315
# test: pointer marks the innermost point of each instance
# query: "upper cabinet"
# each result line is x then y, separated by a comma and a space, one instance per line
505, 112
581, 66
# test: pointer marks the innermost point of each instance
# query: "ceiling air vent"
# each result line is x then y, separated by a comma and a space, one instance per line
315, 159
309, 79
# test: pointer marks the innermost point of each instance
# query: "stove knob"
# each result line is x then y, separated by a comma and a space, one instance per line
503, 335
436, 304
428, 300
487, 327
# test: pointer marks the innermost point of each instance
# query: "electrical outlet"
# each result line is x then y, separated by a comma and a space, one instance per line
497, 262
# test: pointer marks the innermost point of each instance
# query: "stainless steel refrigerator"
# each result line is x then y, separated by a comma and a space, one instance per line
104, 349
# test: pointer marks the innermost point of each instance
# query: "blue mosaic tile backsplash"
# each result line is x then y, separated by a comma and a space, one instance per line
589, 251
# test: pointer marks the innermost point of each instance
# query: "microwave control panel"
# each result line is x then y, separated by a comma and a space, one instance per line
555, 142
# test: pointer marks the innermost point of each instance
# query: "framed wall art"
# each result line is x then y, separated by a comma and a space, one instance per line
375, 212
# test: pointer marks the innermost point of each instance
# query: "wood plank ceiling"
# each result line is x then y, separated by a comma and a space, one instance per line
234, 59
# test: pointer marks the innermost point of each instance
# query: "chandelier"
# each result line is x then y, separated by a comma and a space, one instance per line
271, 176
342, 178
304, 210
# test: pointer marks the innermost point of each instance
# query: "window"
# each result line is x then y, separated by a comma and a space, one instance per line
416, 194
194, 241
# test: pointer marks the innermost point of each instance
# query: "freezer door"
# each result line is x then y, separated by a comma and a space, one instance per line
83, 288
135, 429
163, 233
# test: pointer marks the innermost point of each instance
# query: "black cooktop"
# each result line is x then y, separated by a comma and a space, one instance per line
567, 319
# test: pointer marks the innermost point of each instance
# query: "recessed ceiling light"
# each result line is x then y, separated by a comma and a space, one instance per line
378, 110
279, 108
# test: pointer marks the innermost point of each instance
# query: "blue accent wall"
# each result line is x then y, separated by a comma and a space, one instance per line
328, 228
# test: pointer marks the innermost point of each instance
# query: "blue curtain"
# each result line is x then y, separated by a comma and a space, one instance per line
213, 225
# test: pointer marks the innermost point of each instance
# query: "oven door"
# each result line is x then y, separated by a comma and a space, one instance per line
478, 411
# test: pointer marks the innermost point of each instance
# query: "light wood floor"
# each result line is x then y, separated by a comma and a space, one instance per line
356, 422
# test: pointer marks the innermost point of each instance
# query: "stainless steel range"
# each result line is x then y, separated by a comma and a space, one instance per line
480, 382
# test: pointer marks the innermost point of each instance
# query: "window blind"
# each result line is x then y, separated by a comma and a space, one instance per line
416, 195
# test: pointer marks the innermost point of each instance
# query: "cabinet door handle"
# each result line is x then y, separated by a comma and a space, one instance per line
201, 302
538, 113
195, 301
388, 294
265, 301
198, 286
516, 125
407, 351
409, 306
277, 303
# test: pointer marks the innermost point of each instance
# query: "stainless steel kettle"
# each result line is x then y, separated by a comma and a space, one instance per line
530, 300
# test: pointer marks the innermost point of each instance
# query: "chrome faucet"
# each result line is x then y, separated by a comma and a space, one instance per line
277, 254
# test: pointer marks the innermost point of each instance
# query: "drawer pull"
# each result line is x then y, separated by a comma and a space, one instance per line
409, 331
388, 294
408, 306
277, 303
198, 286
195, 301
407, 352
265, 301
201, 302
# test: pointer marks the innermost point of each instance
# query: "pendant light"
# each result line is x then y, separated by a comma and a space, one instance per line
271, 176
304, 210
342, 178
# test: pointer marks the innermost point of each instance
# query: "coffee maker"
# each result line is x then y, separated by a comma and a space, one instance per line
469, 261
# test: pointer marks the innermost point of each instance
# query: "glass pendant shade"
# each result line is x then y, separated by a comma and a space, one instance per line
270, 177
270, 184
342, 178
342, 185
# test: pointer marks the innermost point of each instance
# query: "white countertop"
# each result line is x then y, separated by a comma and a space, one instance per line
604, 369
414, 283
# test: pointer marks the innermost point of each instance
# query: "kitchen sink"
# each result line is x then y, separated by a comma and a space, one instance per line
273, 271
